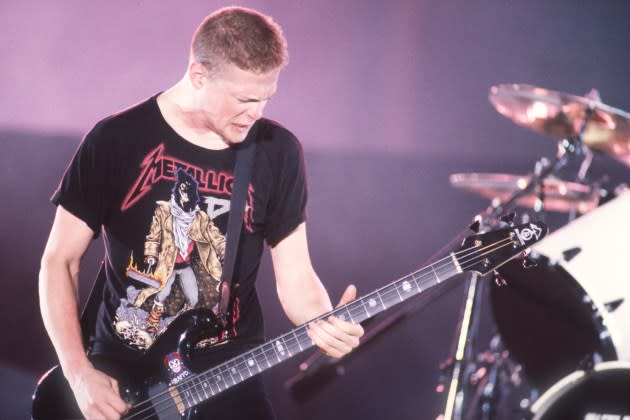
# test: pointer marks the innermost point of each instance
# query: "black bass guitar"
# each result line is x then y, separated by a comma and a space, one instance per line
163, 388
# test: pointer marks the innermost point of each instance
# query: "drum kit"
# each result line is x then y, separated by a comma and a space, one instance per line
566, 320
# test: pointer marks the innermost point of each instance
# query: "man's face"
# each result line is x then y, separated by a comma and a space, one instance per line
232, 100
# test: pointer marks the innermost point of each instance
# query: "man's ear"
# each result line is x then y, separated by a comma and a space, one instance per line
197, 73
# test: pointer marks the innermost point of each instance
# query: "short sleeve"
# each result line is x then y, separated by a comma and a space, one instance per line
287, 208
86, 189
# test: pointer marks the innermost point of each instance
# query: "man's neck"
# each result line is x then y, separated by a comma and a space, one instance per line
182, 116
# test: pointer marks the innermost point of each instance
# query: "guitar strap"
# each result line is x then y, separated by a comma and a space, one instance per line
242, 175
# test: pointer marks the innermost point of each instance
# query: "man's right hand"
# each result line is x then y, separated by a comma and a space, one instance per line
97, 394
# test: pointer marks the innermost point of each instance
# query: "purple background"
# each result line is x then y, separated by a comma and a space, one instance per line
388, 98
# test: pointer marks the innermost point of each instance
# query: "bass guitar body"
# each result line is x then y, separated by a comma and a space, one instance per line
145, 382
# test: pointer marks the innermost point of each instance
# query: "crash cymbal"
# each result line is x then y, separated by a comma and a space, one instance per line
558, 196
561, 116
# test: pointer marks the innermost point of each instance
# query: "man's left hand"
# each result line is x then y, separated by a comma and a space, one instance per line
335, 337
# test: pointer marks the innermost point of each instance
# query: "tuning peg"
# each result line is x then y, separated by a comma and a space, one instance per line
529, 262
508, 218
498, 279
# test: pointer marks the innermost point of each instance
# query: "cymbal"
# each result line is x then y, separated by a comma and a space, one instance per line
558, 195
561, 116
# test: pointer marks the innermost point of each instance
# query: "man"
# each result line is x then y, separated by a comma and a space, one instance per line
128, 163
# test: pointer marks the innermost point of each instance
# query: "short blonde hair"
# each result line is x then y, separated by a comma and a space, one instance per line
244, 37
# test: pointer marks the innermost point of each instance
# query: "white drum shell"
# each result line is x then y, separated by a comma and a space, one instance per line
602, 267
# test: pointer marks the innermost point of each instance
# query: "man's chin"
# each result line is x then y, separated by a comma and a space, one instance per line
236, 138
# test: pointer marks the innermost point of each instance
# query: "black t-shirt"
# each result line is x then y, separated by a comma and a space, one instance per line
162, 205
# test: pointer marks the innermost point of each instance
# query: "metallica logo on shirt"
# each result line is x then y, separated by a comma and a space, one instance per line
156, 167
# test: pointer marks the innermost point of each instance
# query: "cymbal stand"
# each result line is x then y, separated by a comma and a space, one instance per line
462, 365
569, 150
463, 394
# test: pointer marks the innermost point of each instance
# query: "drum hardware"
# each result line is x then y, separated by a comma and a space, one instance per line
529, 262
462, 365
488, 382
497, 375
578, 125
568, 150
498, 279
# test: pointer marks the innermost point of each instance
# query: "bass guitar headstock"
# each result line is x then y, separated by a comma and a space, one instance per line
485, 252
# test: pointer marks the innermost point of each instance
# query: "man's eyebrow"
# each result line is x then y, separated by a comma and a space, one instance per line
251, 99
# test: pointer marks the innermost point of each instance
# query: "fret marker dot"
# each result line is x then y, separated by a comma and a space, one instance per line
219, 378
342, 317
250, 362
233, 370
406, 286
372, 303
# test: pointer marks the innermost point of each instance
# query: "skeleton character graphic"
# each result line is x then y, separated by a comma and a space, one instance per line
184, 252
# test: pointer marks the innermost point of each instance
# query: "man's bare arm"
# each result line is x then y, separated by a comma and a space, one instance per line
96, 393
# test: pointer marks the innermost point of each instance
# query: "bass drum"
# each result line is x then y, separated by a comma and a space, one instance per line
603, 393
575, 303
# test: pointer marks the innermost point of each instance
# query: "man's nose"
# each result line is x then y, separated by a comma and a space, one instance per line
256, 111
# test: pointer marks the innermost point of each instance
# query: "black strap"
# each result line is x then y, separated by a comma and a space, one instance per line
242, 176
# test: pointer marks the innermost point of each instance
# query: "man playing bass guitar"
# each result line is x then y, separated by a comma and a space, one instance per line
155, 180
